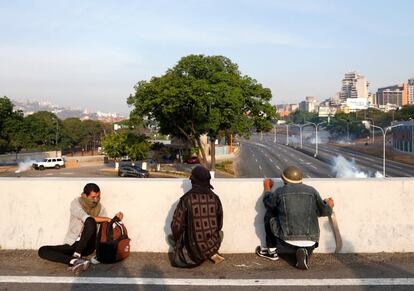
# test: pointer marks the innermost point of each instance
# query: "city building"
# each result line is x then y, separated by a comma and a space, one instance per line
403, 137
410, 89
354, 86
309, 104
396, 95
286, 109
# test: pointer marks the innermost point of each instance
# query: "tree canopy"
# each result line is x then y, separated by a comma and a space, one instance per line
202, 95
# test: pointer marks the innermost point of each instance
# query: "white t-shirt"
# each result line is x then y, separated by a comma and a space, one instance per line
301, 243
77, 219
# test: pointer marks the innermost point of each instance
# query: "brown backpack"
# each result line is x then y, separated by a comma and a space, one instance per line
112, 242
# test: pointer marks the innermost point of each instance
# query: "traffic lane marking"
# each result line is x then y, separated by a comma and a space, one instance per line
208, 282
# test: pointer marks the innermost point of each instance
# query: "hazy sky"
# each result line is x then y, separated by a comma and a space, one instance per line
91, 53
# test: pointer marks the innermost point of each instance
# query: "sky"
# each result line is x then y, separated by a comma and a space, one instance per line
90, 54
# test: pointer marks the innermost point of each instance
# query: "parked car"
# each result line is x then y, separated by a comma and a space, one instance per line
167, 159
132, 171
56, 163
193, 160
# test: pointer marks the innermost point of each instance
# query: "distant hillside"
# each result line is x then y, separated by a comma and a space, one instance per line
29, 107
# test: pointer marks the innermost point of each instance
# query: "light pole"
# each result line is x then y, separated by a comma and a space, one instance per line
287, 133
347, 127
384, 133
300, 131
57, 134
373, 131
274, 139
316, 135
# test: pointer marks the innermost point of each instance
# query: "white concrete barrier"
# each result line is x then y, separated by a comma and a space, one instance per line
374, 215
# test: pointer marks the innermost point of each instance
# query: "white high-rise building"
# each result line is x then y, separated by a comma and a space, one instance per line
411, 91
354, 85
309, 105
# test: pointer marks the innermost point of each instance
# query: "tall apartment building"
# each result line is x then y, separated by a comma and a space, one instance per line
396, 95
354, 85
309, 104
410, 89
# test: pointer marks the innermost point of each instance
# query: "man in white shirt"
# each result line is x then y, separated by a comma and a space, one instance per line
85, 213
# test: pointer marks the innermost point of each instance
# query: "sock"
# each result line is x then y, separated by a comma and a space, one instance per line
76, 255
72, 261
272, 250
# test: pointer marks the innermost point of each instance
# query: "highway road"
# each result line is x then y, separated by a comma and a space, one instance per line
261, 157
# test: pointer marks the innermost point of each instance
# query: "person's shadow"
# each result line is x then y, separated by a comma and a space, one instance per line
185, 186
260, 213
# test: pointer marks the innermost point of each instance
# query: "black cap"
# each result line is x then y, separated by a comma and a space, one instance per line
201, 176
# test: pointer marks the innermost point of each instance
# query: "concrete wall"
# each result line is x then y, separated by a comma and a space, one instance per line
374, 215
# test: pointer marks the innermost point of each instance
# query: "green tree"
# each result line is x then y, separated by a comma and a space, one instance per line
123, 143
73, 133
299, 116
202, 95
13, 133
137, 146
43, 130
114, 145
405, 113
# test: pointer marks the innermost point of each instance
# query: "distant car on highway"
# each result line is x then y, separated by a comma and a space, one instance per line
193, 160
132, 171
56, 163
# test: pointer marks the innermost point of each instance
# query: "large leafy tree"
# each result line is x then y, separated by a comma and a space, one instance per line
125, 143
202, 95
43, 129
73, 132
13, 133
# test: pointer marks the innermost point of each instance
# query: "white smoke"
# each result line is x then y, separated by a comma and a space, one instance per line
293, 139
24, 166
344, 168
323, 138
342, 141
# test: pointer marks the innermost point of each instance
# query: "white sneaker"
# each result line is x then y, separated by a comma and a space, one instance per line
79, 265
266, 253
95, 261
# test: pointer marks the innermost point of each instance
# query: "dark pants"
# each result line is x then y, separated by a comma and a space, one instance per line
282, 247
64, 253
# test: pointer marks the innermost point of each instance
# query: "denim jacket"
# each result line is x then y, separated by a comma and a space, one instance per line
294, 210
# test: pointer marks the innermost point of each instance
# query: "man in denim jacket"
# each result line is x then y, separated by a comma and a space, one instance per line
291, 219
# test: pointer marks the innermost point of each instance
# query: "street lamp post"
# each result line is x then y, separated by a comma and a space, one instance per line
57, 134
316, 135
300, 131
373, 131
347, 127
384, 133
287, 133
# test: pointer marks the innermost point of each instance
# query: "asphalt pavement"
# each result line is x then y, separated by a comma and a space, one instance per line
261, 157
152, 271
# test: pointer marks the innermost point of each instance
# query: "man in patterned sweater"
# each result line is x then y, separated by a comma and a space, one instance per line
197, 222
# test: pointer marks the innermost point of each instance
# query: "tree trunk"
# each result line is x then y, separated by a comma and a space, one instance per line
213, 154
203, 153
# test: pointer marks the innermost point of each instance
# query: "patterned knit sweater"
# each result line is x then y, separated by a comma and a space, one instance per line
199, 218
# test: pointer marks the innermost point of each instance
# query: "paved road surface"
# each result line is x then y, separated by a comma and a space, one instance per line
328, 272
260, 158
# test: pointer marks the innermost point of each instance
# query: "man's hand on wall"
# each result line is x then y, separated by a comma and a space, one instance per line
268, 184
330, 202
